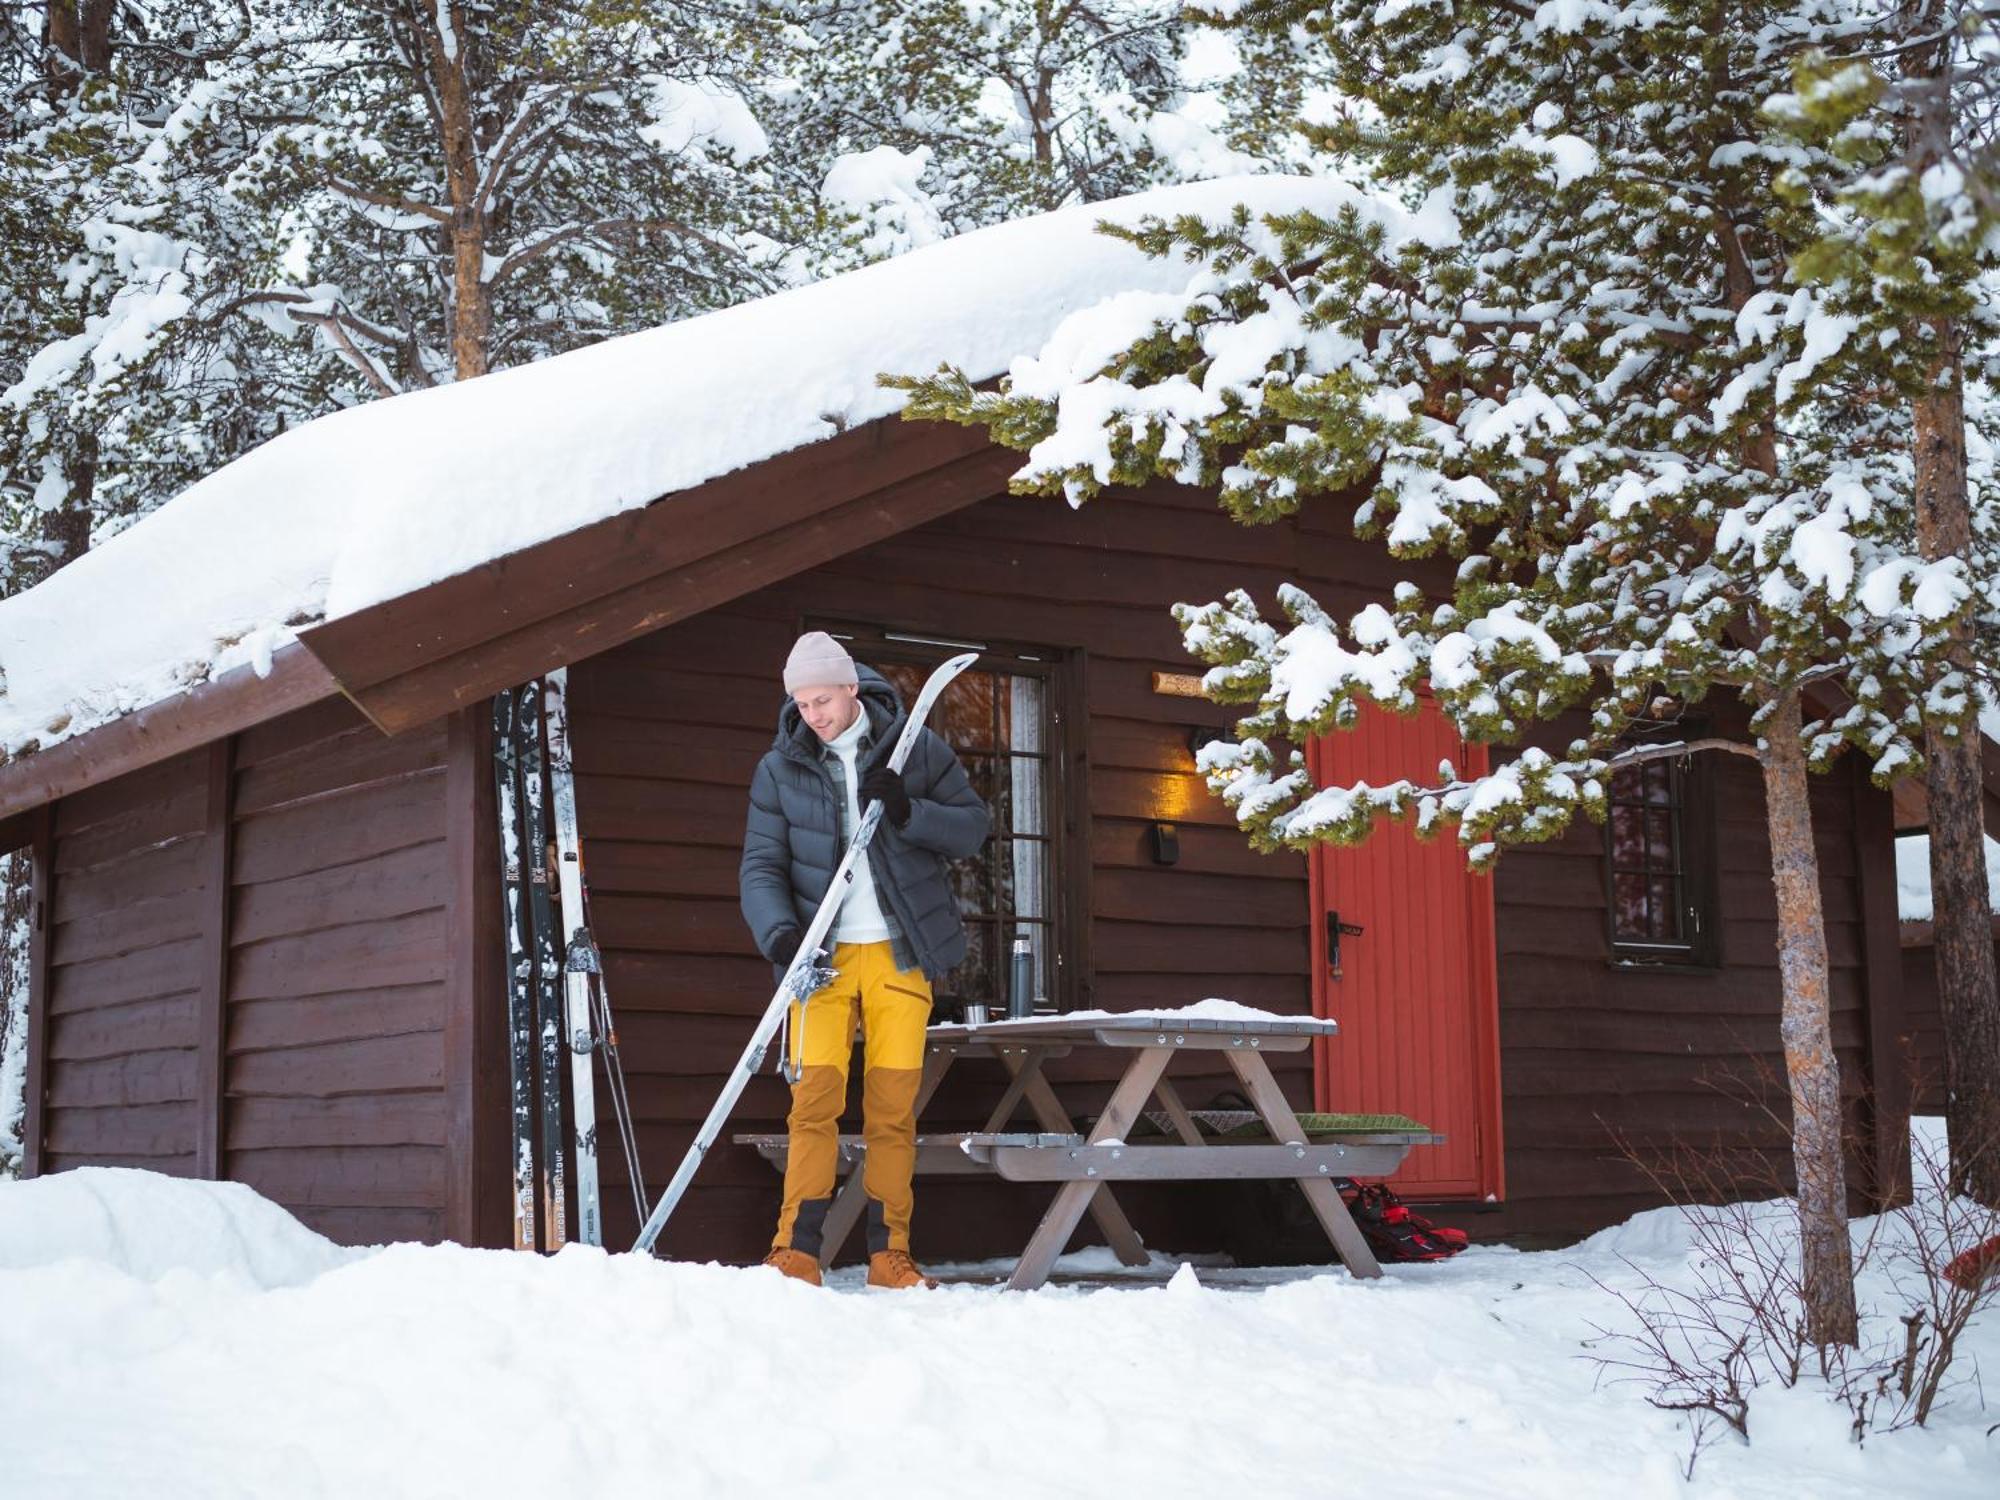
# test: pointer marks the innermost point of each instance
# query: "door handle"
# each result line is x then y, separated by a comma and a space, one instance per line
1335, 930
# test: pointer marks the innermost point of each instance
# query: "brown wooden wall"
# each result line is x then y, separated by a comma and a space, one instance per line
290, 1037
332, 1032
337, 966
1598, 1060
670, 726
126, 900
1923, 1019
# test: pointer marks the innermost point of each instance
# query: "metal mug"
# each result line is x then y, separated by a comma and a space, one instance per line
975, 1015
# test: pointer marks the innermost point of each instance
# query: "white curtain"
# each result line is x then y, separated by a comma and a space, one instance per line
1024, 716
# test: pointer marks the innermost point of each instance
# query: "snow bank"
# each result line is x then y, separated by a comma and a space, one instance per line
414, 1371
145, 1225
1913, 876
369, 503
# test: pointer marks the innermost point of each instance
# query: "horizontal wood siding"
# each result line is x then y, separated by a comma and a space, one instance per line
340, 971
124, 969
334, 1039
1602, 1064
670, 726
1923, 1026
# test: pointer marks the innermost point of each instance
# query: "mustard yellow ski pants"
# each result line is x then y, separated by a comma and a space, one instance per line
890, 1008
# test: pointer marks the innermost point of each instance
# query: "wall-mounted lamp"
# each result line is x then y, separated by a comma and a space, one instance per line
1166, 839
1200, 735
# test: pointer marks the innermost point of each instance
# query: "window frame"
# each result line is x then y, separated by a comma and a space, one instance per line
1692, 799
1064, 798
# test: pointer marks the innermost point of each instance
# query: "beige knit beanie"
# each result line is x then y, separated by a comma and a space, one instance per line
818, 660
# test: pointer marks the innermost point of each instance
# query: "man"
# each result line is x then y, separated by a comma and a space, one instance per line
898, 932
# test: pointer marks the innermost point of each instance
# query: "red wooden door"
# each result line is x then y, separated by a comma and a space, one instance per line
1415, 996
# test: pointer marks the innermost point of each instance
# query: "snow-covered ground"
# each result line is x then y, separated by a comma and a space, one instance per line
170, 1339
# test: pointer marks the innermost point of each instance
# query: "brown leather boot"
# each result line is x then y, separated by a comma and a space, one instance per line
796, 1264
894, 1268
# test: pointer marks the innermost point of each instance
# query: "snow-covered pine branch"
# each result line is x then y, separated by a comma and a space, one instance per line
1552, 327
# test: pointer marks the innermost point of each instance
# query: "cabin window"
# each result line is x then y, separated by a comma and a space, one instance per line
1656, 863
1003, 717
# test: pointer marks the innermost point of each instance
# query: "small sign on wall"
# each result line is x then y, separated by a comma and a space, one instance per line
1177, 684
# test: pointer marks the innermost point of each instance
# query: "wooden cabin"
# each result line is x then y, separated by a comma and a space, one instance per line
268, 942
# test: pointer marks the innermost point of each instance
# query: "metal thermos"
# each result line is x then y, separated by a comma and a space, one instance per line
1021, 997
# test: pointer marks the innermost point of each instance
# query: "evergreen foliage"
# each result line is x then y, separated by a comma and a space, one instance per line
1564, 344
238, 218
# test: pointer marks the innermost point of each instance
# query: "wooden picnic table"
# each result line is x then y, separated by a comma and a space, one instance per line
1085, 1164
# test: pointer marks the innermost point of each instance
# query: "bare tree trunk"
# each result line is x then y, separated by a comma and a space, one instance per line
63, 536
1961, 904
16, 911
78, 39
471, 298
1805, 1023
1806, 1029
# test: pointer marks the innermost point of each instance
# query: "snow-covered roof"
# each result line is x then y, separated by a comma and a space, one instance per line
370, 503
1913, 876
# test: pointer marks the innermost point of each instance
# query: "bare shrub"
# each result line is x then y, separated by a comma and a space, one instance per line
1701, 1341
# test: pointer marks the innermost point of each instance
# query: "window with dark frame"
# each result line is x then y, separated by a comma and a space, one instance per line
1656, 858
1648, 904
1000, 718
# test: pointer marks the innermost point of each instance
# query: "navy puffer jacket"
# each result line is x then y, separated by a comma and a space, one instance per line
793, 840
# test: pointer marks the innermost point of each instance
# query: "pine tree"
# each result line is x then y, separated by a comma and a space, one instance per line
223, 220
1551, 333
1907, 99
904, 121
246, 218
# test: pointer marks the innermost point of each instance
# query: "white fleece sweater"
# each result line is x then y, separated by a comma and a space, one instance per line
860, 919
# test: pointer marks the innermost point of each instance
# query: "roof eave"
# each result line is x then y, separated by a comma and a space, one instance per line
221, 706
413, 658
410, 659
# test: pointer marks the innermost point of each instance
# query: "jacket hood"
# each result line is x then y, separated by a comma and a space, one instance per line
879, 700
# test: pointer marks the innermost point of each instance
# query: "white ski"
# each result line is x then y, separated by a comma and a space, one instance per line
542, 943
592, 1028
822, 923
579, 959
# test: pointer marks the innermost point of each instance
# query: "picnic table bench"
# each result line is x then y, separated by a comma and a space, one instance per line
1267, 1141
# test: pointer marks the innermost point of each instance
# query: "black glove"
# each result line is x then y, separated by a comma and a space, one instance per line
886, 787
784, 943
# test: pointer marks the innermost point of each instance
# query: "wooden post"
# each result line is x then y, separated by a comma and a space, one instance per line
212, 1000
474, 1035
41, 848
1882, 985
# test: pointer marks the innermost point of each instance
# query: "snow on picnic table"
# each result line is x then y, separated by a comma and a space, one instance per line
172, 1338
1200, 1010
371, 502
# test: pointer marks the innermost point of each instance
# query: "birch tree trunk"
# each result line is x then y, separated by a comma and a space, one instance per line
1806, 1029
